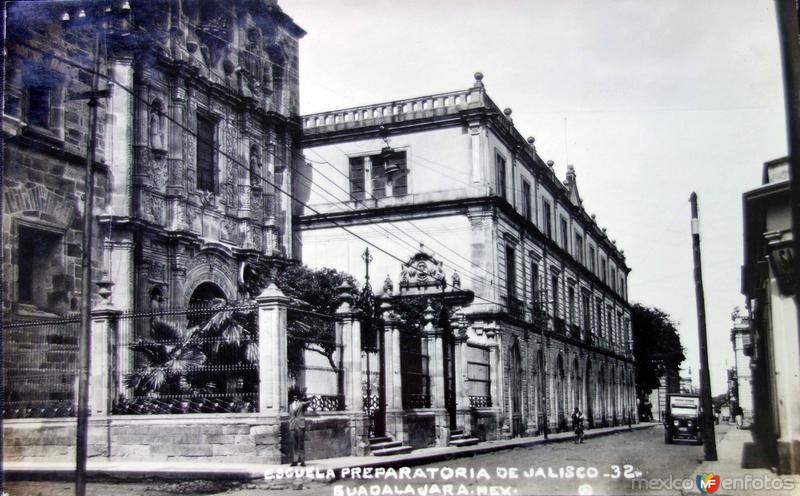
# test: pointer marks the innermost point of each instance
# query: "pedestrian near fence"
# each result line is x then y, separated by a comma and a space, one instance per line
297, 429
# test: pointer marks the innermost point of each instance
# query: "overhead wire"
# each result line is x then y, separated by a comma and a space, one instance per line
463, 269
458, 266
233, 160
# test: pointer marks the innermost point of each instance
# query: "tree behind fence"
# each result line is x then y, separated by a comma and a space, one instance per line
198, 360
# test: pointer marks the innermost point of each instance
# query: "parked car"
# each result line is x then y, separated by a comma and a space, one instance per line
683, 418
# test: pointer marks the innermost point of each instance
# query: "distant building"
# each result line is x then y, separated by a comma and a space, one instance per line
670, 383
687, 385
452, 171
741, 339
770, 285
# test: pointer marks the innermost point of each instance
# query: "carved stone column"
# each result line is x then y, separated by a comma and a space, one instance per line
463, 412
435, 347
118, 133
175, 158
393, 385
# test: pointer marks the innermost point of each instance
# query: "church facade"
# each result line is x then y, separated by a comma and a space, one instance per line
196, 136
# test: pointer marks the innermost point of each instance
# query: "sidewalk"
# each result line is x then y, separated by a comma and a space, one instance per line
108, 469
737, 480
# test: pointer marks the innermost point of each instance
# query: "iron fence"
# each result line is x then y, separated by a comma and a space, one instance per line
40, 368
480, 401
198, 360
315, 359
371, 389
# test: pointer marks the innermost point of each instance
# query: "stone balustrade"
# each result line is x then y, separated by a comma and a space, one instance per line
443, 103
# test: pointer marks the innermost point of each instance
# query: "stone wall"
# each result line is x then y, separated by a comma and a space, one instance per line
225, 438
484, 424
421, 430
327, 436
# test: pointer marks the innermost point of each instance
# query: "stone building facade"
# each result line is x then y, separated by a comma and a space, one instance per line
195, 142
769, 284
451, 172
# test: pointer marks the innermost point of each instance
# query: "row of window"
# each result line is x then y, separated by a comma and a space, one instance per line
40, 110
611, 327
606, 274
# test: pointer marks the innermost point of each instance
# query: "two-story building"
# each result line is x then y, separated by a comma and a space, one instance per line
450, 172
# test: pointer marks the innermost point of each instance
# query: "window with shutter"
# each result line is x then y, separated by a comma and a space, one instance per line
378, 179
501, 176
357, 178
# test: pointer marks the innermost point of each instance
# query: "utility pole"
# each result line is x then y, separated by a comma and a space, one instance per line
96, 21
709, 437
84, 363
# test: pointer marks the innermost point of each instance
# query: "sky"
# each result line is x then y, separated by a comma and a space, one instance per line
649, 100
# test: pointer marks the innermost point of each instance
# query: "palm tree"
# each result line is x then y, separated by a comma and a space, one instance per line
170, 356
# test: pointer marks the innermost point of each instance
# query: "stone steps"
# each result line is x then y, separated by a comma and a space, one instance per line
458, 438
385, 446
397, 450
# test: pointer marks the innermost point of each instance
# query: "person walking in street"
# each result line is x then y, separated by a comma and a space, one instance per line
577, 425
297, 428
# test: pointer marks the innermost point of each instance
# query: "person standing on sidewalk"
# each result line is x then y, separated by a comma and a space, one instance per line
577, 425
297, 428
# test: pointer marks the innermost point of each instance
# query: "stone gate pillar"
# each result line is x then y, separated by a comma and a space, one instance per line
463, 416
349, 332
435, 348
102, 385
393, 378
272, 360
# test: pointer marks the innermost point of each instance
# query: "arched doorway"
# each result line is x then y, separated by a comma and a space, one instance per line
542, 391
576, 384
614, 392
515, 384
603, 390
205, 296
603, 394
560, 393
590, 392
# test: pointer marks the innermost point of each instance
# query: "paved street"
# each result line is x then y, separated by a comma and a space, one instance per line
644, 451
555, 468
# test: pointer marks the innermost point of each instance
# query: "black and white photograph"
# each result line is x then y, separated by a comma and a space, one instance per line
400, 248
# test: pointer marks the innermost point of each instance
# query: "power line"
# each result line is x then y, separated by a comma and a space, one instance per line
467, 271
233, 160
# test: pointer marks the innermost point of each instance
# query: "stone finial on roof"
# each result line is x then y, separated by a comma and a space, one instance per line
478, 80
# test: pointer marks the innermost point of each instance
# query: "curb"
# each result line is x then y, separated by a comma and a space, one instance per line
64, 471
